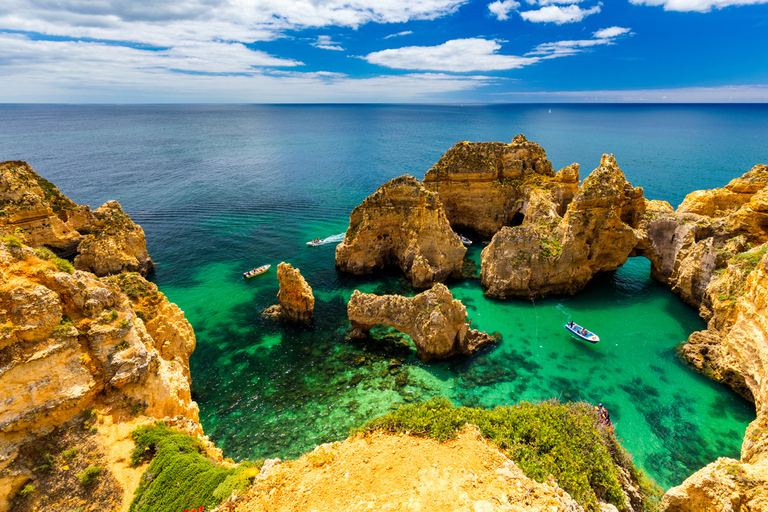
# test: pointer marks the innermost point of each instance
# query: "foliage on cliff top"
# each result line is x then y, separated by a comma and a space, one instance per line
562, 440
22, 173
180, 475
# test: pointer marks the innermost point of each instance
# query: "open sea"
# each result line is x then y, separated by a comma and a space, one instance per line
220, 189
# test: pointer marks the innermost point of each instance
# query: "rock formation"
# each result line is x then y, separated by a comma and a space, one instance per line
550, 254
295, 298
435, 321
70, 342
402, 224
105, 241
485, 185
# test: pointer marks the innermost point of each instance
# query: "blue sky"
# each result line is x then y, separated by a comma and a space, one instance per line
426, 51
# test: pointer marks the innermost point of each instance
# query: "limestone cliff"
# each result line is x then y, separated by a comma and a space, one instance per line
433, 319
550, 254
70, 342
105, 241
403, 225
485, 185
296, 301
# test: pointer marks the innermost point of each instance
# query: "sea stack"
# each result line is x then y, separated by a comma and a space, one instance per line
296, 301
403, 225
435, 321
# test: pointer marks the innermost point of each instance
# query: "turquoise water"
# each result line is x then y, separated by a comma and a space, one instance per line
220, 189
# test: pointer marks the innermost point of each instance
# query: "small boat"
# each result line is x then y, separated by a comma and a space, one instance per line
256, 271
329, 240
465, 240
315, 243
581, 333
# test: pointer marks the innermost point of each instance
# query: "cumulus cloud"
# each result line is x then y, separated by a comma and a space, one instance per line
457, 55
501, 9
611, 32
164, 22
559, 14
696, 5
725, 94
326, 43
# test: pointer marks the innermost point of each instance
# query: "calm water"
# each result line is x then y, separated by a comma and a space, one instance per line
220, 189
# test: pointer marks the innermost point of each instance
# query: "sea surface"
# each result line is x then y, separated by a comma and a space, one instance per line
220, 189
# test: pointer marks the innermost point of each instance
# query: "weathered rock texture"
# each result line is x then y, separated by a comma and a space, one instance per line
403, 225
550, 254
69, 342
295, 298
105, 241
485, 185
435, 321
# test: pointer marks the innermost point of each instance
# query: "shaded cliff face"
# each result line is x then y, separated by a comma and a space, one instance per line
105, 241
70, 342
433, 319
485, 185
550, 254
296, 301
402, 225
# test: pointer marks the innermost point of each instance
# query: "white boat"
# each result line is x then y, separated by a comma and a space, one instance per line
256, 271
465, 240
329, 240
582, 333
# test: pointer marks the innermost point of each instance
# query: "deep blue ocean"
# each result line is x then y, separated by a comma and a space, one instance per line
220, 189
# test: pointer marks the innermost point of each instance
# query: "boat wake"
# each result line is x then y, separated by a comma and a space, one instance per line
329, 240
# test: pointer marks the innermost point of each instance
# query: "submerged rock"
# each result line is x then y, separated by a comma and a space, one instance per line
433, 319
104, 241
550, 254
295, 296
403, 225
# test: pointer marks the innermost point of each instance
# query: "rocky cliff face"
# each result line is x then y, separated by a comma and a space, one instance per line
403, 225
70, 342
295, 298
485, 185
550, 254
433, 319
105, 241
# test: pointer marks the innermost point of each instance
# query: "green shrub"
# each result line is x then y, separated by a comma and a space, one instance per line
112, 316
69, 454
180, 476
124, 324
12, 241
563, 440
89, 475
63, 265
44, 254
27, 490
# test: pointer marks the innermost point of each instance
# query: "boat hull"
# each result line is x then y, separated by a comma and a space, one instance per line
575, 329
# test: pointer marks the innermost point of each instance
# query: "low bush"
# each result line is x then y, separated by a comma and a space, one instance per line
11, 241
27, 490
89, 475
563, 440
180, 476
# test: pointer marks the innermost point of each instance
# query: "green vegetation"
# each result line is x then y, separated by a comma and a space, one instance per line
60, 263
550, 248
12, 241
64, 326
89, 475
132, 284
111, 316
27, 490
180, 475
70, 453
562, 440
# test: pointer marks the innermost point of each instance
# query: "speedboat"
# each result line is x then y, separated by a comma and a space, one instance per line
581, 333
256, 271
465, 240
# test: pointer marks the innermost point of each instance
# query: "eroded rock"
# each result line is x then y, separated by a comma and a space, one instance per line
435, 321
296, 301
402, 225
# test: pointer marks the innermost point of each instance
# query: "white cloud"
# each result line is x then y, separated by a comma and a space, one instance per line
404, 33
165, 22
457, 55
559, 15
501, 9
325, 43
610, 32
725, 94
696, 5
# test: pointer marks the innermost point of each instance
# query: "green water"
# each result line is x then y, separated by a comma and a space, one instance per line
270, 389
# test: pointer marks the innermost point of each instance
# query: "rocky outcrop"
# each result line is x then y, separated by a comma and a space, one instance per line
550, 254
485, 186
435, 321
295, 298
70, 342
104, 241
402, 225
